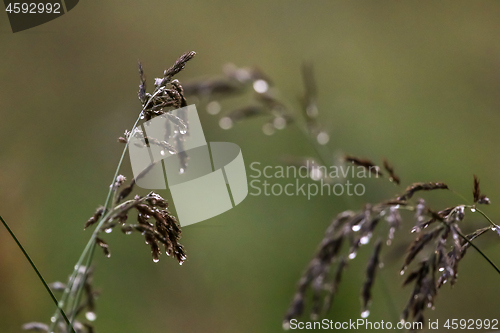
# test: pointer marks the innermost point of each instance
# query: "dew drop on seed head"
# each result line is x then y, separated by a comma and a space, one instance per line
365, 314
402, 272
279, 123
268, 129
181, 262
260, 86
183, 131
53, 319
323, 138
91, 316
312, 111
213, 107
352, 255
162, 153
155, 260
128, 232
356, 227
364, 240
473, 210
142, 117
316, 173
181, 171
108, 255
108, 230
493, 228
441, 269
226, 123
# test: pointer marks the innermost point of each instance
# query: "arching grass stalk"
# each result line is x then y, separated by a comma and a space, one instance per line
88, 251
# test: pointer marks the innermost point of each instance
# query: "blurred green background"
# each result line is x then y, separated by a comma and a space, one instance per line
417, 82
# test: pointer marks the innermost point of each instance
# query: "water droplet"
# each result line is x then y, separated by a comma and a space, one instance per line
213, 107
181, 262
441, 269
128, 232
279, 123
365, 314
226, 123
108, 255
91, 316
316, 173
183, 130
494, 228
473, 210
181, 171
260, 86
53, 319
352, 255
162, 153
381, 265
155, 260
108, 230
389, 242
268, 129
312, 110
356, 227
142, 116
323, 138
402, 272
365, 239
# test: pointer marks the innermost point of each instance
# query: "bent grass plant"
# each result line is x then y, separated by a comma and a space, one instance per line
437, 232
164, 229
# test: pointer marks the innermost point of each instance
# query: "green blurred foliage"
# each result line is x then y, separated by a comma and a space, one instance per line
416, 82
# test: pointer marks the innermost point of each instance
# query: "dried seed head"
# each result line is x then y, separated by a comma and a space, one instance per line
97, 215
392, 176
103, 245
418, 244
478, 197
142, 87
365, 163
410, 190
370, 277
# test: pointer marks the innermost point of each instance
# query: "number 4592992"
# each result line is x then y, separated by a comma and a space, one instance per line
33, 8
